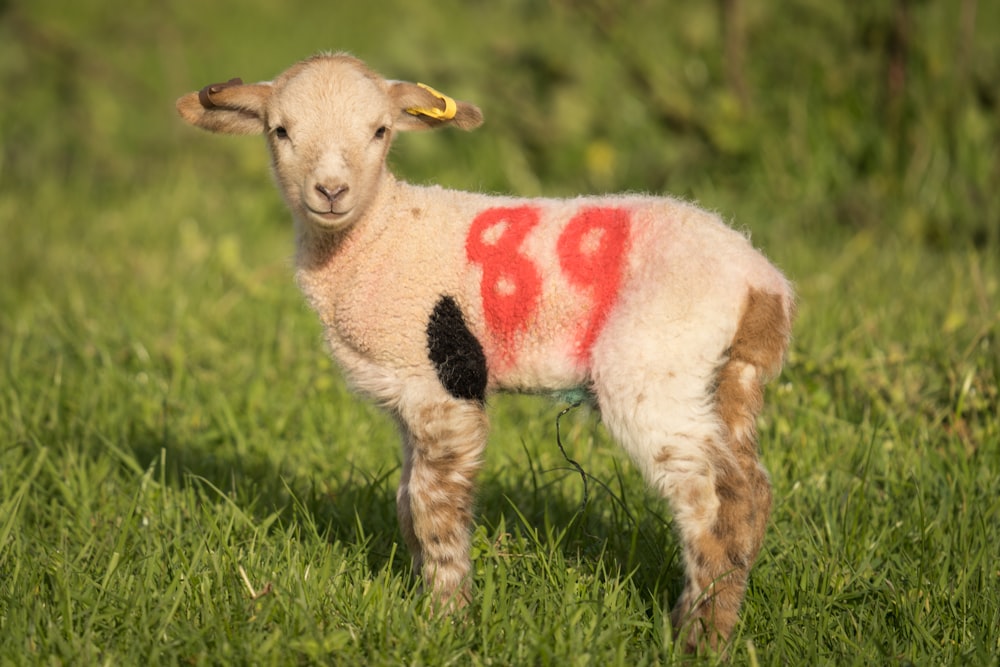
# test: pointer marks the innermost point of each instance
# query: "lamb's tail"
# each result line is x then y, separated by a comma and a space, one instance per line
755, 356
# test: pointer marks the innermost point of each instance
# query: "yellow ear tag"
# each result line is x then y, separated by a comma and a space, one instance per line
449, 106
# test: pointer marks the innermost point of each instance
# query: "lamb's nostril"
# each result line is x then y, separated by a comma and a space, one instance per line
331, 195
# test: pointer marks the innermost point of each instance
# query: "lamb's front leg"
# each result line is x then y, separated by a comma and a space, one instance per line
443, 442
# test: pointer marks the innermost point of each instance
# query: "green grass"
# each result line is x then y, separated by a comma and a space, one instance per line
185, 479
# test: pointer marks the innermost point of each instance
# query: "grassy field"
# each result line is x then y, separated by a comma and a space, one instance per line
184, 479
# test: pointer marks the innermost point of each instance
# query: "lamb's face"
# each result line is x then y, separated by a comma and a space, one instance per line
328, 121
329, 126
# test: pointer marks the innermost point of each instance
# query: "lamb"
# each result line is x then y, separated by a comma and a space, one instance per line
432, 299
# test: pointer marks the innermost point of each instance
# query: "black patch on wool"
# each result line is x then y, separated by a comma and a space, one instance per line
455, 352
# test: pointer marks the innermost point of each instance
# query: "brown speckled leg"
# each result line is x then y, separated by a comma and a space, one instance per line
443, 442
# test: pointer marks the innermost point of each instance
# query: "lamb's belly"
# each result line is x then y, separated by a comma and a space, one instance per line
540, 370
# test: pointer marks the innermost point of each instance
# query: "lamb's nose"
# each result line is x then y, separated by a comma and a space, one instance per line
331, 195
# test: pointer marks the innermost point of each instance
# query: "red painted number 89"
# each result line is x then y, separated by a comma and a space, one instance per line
591, 250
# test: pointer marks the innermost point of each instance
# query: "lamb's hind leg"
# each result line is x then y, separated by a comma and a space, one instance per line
691, 429
721, 516
443, 442
681, 445
718, 560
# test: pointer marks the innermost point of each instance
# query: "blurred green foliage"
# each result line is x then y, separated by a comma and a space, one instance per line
880, 115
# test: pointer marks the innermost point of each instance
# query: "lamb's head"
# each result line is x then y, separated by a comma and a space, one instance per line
328, 121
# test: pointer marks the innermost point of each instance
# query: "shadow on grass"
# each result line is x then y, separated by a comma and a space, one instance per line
619, 529
622, 532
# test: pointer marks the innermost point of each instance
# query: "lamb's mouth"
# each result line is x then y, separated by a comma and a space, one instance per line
329, 216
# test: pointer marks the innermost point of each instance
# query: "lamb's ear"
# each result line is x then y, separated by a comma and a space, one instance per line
423, 108
228, 108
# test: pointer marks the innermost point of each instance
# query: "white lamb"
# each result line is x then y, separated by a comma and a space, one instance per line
431, 299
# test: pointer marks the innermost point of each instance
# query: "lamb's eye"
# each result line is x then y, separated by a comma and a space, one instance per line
381, 132
281, 132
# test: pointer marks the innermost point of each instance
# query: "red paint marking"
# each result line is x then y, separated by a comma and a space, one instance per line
591, 252
511, 285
